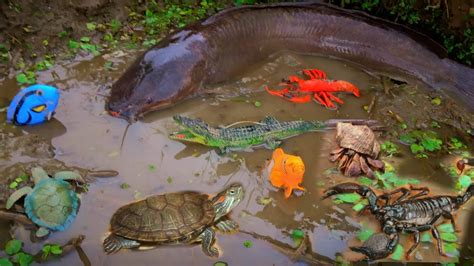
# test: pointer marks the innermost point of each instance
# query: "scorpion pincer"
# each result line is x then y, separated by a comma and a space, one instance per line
412, 212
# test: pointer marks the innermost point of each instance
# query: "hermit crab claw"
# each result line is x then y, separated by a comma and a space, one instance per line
378, 246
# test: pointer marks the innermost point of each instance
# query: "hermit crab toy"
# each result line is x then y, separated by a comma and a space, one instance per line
358, 150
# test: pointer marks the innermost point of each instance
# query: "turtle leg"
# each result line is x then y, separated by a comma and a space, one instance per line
114, 243
207, 238
42, 232
227, 225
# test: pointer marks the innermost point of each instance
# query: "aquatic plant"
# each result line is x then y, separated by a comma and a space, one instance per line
389, 148
17, 256
422, 142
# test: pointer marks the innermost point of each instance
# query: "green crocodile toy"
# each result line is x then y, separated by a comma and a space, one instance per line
268, 132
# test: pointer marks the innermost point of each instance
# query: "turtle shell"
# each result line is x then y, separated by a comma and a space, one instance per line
168, 218
52, 204
358, 138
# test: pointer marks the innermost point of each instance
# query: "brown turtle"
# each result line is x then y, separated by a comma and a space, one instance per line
174, 218
358, 150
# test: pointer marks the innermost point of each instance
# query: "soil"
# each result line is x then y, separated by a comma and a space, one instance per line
26, 24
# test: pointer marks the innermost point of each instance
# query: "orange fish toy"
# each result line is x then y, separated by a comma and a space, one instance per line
286, 171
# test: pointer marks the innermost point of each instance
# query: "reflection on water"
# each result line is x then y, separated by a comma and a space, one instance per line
84, 135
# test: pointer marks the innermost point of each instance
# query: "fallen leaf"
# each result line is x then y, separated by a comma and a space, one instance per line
364, 234
398, 253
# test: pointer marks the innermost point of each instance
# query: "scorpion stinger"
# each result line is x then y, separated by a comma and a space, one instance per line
406, 214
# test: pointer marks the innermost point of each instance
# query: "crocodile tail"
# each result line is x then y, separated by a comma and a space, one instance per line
373, 124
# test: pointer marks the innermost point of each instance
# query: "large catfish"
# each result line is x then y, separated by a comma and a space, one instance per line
222, 46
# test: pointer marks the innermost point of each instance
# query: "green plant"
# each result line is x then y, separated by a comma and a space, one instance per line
422, 142
16, 255
27, 77
4, 53
389, 148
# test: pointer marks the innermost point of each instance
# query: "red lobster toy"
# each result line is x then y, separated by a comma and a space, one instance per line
318, 86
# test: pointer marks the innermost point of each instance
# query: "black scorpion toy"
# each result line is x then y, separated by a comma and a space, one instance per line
409, 213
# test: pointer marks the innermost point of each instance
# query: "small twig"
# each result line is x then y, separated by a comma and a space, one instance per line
371, 105
70, 246
14, 39
396, 117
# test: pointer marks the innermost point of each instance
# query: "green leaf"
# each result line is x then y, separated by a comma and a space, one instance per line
73, 45
248, 244
62, 34
364, 234
451, 249
436, 101
24, 259
389, 148
5, 262
56, 249
431, 144
415, 148
258, 104
264, 200
407, 138
91, 26
151, 167
13, 246
124, 186
85, 39
297, 234
360, 205
13, 185
366, 181
398, 253
463, 182
21, 78
221, 263
435, 124
449, 237
347, 198
446, 228
169, 179
46, 250
115, 25
426, 237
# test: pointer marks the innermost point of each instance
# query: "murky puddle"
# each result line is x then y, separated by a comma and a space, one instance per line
84, 135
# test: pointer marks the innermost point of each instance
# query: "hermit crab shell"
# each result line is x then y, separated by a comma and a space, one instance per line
358, 138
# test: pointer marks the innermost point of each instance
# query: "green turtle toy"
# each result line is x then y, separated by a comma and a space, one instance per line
52, 203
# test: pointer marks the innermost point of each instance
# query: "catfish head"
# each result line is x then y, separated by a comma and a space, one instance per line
165, 74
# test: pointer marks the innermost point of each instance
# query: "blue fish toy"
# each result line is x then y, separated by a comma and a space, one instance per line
33, 105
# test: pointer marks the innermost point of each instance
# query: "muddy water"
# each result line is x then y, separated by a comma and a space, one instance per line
84, 135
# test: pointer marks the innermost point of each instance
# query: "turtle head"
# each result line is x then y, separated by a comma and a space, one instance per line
226, 200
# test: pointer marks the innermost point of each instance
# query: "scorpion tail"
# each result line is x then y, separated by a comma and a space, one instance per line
460, 200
